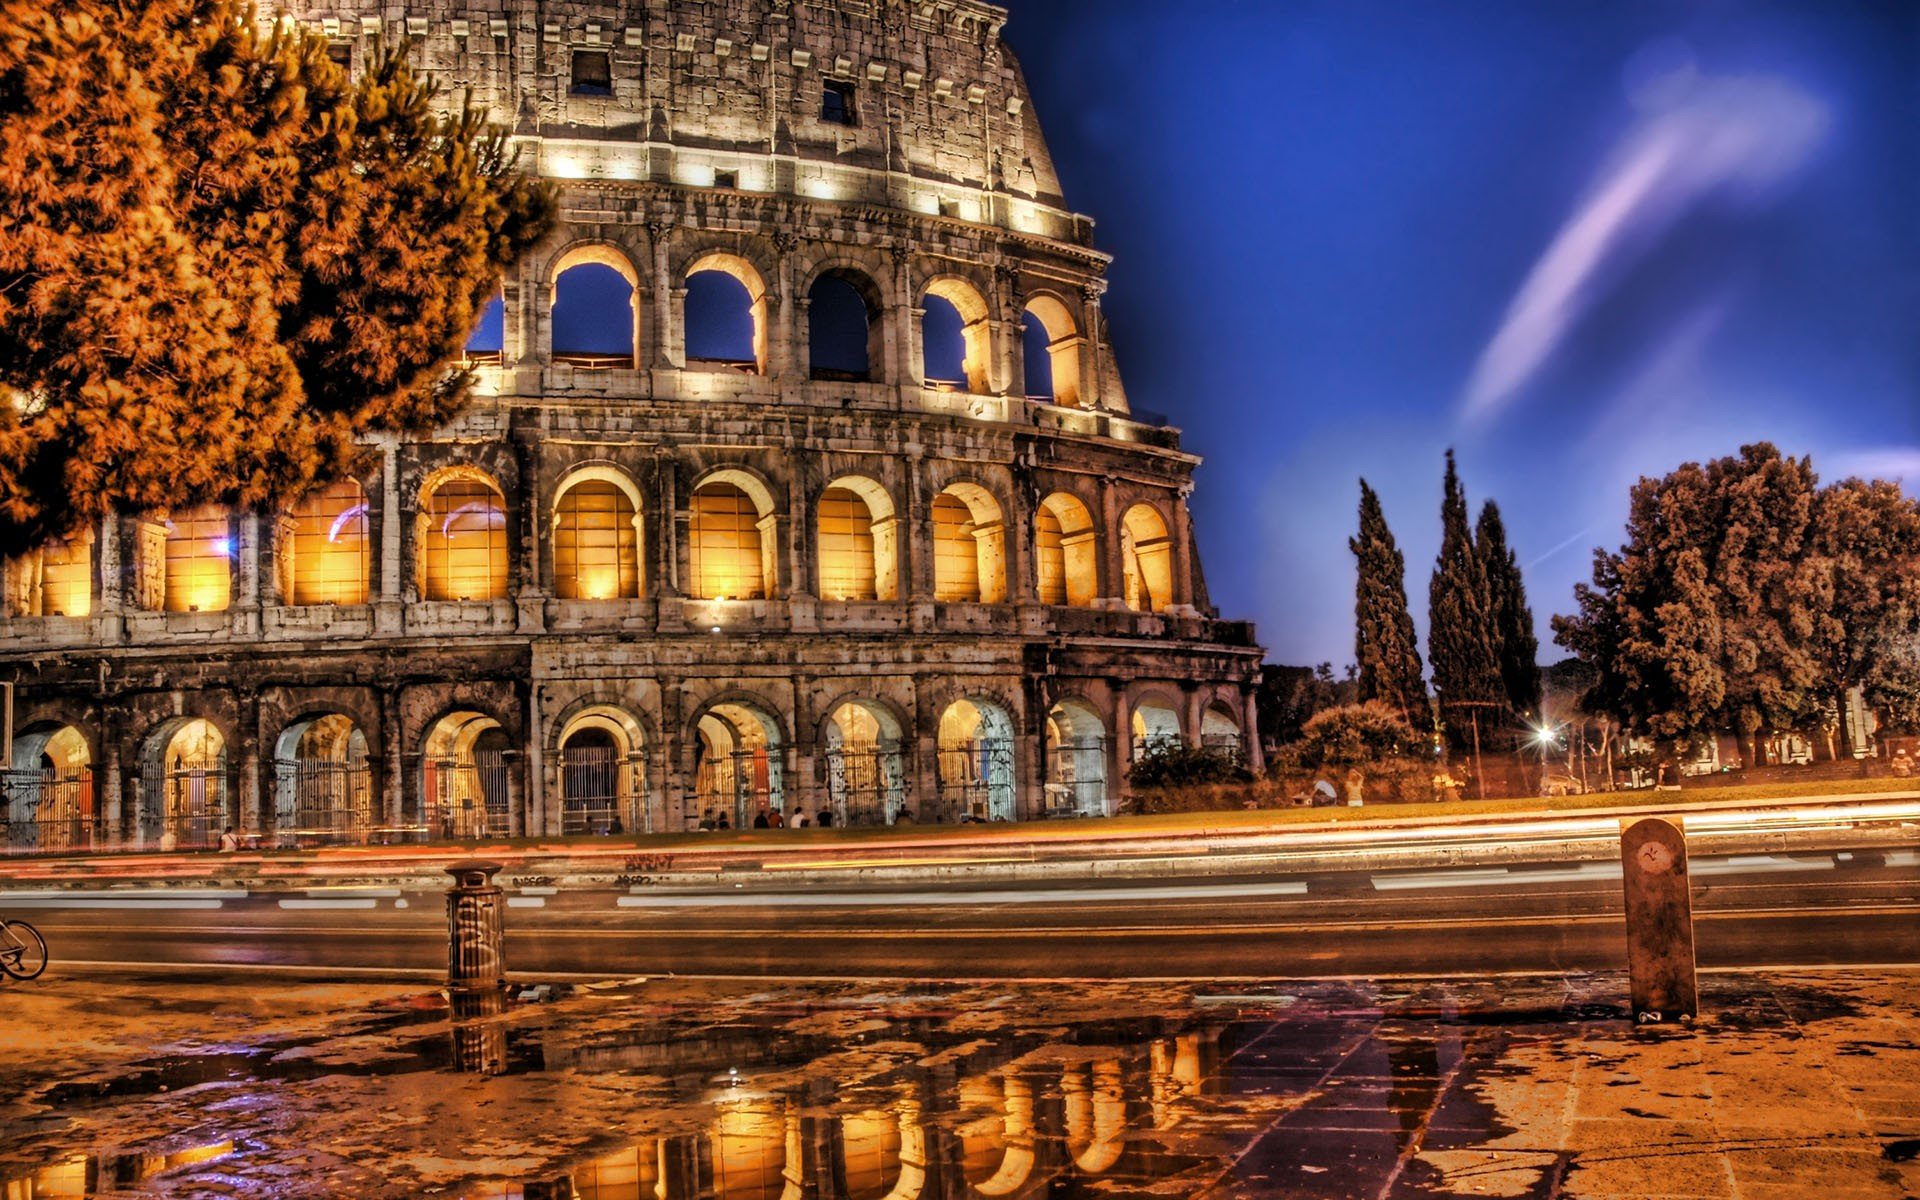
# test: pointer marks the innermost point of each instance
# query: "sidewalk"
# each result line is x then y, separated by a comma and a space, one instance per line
1128, 847
1792, 1086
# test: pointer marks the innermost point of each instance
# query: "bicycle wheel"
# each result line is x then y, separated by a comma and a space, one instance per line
23, 952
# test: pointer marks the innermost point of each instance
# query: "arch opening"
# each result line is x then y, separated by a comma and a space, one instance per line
1051, 352
1146, 557
729, 553
975, 761
842, 320
55, 580
955, 351
198, 566
858, 553
329, 555
1220, 731
463, 778
1076, 761
595, 308
596, 539
323, 786
866, 769
603, 775
997, 1146
1155, 724
187, 801
969, 546
461, 534
752, 1141
738, 772
1066, 552
725, 315
488, 343
50, 801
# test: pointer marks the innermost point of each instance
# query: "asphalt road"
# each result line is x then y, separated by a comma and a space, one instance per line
1750, 911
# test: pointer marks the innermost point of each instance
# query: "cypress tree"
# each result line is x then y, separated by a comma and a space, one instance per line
1460, 637
1384, 643
1517, 647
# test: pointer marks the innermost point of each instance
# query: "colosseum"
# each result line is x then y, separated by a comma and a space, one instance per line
799, 479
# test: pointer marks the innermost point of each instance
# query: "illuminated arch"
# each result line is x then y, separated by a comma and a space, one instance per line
50, 800
186, 802
998, 1165
602, 773
1053, 343
1220, 729
323, 789
460, 536
580, 330
1146, 560
866, 769
975, 762
54, 581
737, 768
969, 546
857, 550
597, 535
463, 777
975, 346
1076, 759
1066, 552
329, 553
1155, 721
199, 560
754, 285
732, 547
1096, 1116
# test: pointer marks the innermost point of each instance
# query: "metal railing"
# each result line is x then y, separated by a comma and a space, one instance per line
599, 792
976, 779
320, 800
46, 813
466, 799
186, 808
1077, 778
867, 785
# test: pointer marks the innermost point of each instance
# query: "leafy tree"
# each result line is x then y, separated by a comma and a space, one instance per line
1460, 635
1864, 570
1355, 734
1288, 696
1518, 648
1384, 640
1724, 610
221, 261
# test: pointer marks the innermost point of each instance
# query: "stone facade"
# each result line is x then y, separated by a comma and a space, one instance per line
951, 598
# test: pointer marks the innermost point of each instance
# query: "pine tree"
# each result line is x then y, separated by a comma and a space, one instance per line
1517, 645
1384, 641
1460, 637
221, 261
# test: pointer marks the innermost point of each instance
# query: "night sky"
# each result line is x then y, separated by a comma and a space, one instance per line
1577, 241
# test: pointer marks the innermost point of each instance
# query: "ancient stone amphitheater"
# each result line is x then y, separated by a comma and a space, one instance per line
800, 480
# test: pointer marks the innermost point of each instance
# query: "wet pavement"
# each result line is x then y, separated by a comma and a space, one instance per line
1792, 1086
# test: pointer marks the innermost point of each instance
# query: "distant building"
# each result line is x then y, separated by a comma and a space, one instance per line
800, 479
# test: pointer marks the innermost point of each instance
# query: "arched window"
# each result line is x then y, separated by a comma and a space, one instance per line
1051, 351
50, 804
595, 307
954, 347
1145, 556
1219, 730
1155, 724
199, 558
840, 329
186, 803
726, 314
858, 555
489, 341
463, 541
969, 547
596, 542
1066, 559
330, 551
725, 554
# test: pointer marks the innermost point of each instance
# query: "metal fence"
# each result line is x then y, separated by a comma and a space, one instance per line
187, 808
46, 813
599, 791
1077, 778
738, 784
466, 799
867, 785
976, 779
319, 800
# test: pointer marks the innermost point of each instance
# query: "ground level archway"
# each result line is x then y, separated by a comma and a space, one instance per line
603, 781
463, 778
866, 769
975, 764
737, 767
322, 786
1076, 783
49, 792
186, 803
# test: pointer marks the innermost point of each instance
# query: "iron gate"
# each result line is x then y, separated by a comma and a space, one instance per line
466, 799
866, 785
46, 813
1077, 778
599, 791
976, 780
324, 800
187, 807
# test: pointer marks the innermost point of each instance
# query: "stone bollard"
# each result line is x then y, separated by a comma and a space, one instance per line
1653, 868
475, 933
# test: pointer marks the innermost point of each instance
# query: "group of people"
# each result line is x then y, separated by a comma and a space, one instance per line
772, 818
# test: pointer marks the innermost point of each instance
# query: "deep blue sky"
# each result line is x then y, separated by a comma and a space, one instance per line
1577, 241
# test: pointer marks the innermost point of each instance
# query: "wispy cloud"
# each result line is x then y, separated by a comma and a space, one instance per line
1558, 547
1734, 139
1881, 462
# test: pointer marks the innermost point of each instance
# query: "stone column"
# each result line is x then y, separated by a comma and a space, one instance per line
541, 819
1250, 731
392, 767
245, 618
904, 315
251, 810
1122, 758
1183, 555
389, 613
109, 615
1112, 559
114, 817
1093, 354
917, 539
782, 312
665, 297
526, 579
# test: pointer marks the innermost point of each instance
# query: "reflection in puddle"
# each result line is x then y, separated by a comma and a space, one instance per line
82, 1175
